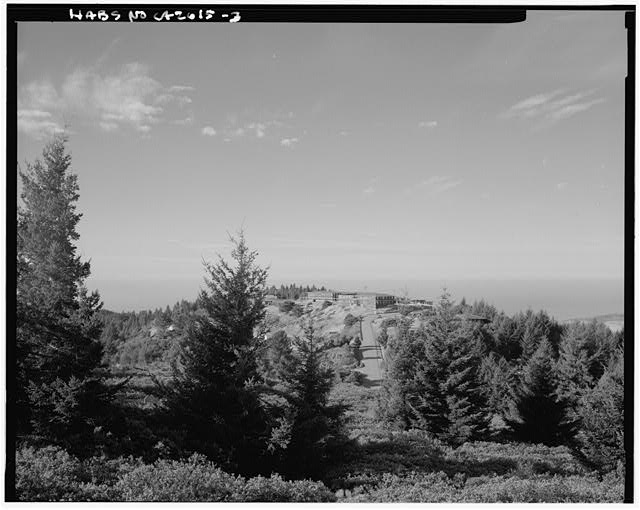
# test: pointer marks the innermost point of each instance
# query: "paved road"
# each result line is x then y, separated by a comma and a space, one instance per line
371, 354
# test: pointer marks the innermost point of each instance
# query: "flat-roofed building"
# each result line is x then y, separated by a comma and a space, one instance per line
325, 295
270, 299
384, 300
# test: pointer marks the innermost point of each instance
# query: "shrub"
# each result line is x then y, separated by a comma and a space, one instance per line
350, 320
341, 357
46, 474
543, 489
438, 487
355, 377
195, 479
275, 488
286, 306
603, 419
51, 474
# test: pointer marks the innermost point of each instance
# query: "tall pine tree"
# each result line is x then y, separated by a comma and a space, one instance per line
61, 397
467, 397
602, 416
214, 399
538, 414
311, 421
438, 369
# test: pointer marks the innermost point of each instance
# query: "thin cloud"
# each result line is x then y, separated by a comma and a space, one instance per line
269, 124
436, 184
429, 124
38, 124
181, 88
208, 131
553, 106
572, 109
371, 186
187, 121
273, 126
258, 129
130, 97
108, 126
534, 101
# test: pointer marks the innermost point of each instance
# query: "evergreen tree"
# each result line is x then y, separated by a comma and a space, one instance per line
402, 354
276, 350
110, 339
573, 368
61, 396
584, 353
535, 332
214, 398
311, 422
498, 376
505, 340
467, 402
427, 399
603, 418
538, 414
441, 366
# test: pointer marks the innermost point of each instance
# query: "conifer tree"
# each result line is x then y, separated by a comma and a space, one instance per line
61, 394
499, 378
603, 418
214, 398
538, 414
427, 398
534, 333
446, 396
467, 398
403, 353
573, 368
312, 422
585, 351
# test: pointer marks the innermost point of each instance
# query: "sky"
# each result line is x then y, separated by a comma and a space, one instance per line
344, 151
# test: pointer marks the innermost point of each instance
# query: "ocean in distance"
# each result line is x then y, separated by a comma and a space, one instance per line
562, 299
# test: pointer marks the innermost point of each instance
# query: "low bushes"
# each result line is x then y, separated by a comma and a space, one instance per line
438, 487
48, 474
51, 474
411, 466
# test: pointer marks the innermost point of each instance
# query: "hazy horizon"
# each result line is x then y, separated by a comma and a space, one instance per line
563, 299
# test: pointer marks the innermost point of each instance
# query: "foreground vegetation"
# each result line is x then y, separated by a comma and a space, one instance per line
226, 399
376, 465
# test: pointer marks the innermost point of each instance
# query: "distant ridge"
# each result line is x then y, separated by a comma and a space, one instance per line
600, 318
614, 321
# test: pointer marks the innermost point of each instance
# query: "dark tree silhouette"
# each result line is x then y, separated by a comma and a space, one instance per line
538, 414
214, 398
61, 396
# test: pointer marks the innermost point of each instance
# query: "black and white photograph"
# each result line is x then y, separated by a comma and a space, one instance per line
335, 254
